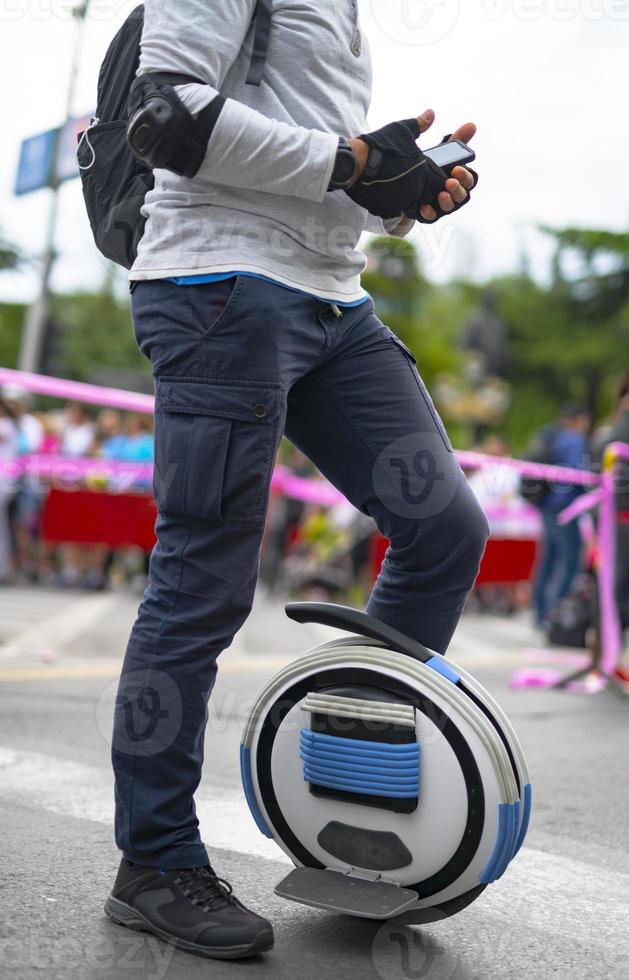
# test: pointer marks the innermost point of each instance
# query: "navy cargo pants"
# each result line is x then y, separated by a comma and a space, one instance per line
236, 364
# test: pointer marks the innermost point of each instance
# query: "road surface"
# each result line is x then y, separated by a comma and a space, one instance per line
561, 911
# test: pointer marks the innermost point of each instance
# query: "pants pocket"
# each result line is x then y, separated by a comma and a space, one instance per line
424, 391
215, 443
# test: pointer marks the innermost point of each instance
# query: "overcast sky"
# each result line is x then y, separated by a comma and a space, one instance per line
545, 80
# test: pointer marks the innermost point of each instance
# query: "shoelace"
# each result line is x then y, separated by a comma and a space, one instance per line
204, 888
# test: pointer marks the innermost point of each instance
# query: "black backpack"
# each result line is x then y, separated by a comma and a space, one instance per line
532, 488
114, 181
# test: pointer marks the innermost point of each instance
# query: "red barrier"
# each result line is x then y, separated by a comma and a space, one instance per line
504, 561
89, 517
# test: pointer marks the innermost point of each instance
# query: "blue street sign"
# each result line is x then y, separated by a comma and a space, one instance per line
35, 167
48, 159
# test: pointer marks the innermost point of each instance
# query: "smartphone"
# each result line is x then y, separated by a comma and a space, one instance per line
455, 153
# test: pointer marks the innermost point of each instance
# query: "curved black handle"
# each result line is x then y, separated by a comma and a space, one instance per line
357, 621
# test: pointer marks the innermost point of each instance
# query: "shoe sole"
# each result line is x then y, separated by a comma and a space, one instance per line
124, 915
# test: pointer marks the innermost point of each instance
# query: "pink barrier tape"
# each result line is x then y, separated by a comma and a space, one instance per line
620, 450
611, 638
588, 501
132, 401
521, 521
305, 489
545, 677
129, 401
69, 473
557, 474
534, 677
565, 656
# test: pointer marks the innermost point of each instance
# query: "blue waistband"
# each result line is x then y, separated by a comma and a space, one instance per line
221, 276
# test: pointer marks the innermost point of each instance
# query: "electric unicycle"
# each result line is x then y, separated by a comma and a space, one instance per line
387, 774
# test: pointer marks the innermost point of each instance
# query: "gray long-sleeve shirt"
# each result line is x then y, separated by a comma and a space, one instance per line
260, 203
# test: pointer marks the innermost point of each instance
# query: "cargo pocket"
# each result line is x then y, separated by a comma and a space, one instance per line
424, 391
215, 443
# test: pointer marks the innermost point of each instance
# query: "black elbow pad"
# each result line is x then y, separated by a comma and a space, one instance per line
162, 132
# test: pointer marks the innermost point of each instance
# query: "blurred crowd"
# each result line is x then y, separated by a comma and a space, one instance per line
333, 552
71, 431
563, 589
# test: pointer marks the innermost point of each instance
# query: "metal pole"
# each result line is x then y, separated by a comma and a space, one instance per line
34, 329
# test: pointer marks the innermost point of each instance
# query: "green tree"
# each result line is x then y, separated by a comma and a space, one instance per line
11, 314
10, 255
426, 317
96, 336
569, 339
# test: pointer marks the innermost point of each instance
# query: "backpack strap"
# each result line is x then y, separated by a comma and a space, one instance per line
262, 31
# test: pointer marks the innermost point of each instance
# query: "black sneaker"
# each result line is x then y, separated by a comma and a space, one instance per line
192, 908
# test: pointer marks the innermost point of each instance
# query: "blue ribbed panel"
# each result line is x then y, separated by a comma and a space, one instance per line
250, 796
357, 766
508, 821
526, 816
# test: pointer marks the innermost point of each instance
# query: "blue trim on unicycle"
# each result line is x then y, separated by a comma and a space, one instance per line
250, 796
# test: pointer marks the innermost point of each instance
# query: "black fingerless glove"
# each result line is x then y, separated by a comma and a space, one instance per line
398, 178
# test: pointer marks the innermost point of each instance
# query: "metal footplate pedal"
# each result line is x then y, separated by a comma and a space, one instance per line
345, 894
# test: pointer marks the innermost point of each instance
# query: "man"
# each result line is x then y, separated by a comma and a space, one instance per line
561, 547
246, 297
30, 429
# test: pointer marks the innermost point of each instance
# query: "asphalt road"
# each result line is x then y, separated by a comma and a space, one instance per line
562, 909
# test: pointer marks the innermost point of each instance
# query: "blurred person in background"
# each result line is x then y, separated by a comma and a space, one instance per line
30, 430
9, 438
108, 426
561, 545
50, 441
25, 505
77, 431
495, 485
134, 444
